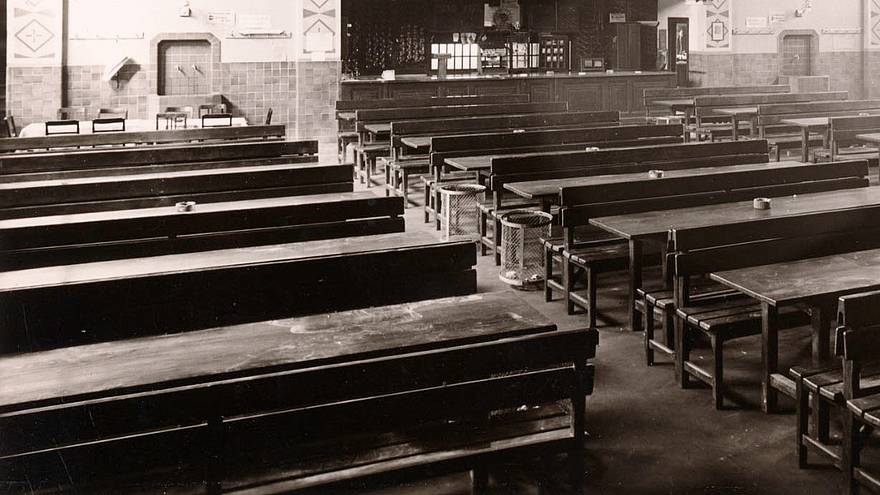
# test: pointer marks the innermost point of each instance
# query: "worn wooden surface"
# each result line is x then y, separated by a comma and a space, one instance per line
807, 280
654, 223
298, 342
813, 123
873, 137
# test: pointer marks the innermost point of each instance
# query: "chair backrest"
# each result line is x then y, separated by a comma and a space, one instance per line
108, 124
395, 114
72, 113
845, 129
186, 109
113, 113
207, 108
466, 125
217, 120
269, 116
62, 127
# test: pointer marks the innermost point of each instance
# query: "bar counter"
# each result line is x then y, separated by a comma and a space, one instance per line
591, 91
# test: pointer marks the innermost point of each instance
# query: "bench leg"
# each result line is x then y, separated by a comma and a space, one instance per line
484, 229
568, 282
648, 317
368, 167
592, 279
718, 373
405, 188
821, 419
851, 450
548, 274
427, 207
214, 468
578, 425
436, 195
682, 353
669, 327
479, 480
496, 236
803, 425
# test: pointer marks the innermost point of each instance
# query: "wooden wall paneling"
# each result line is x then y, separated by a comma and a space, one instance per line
541, 90
616, 95
582, 95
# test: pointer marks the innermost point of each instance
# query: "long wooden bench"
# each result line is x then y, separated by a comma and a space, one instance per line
367, 152
652, 95
84, 141
99, 301
563, 164
729, 315
770, 116
327, 403
156, 186
712, 124
98, 236
581, 249
280, 151
347, 108
534, 141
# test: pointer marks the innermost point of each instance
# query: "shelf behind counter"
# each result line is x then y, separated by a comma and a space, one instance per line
592, 91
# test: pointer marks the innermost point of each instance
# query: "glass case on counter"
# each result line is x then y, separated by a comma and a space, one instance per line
497, 52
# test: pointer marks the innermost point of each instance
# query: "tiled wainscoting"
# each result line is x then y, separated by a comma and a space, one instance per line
301, 94
845, 69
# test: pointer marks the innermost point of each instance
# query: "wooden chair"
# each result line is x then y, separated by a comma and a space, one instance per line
859, 346
211, 108
179, 114
56, 127
216, 120
72, 113
113, 113
108, 124
172, 119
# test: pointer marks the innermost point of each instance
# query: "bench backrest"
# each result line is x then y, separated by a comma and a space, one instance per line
858, 339
80, 141
580, 203
295, 151
74, 304
845, 129
538, 166
46, 241
772, 114
395, 114
650, 95
158, 186
522, 121
704, 106
551, 140
437, 101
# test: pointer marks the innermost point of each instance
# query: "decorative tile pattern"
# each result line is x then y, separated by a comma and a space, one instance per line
718, 24
874, 13
319, 22
35, 26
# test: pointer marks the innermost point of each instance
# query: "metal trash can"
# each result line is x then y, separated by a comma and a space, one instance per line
459, 211
522, 254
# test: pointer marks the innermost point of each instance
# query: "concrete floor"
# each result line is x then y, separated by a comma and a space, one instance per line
645, 434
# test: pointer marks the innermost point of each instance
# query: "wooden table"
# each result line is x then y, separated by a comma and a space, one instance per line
417, 142
378, 129
654, 226
62, 375
873, 138
816, 282
38, 129
738, 113
477, 164
347, 116
547, 191
807, 126
685, 105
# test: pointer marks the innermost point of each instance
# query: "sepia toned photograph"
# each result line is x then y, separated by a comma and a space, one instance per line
440, 247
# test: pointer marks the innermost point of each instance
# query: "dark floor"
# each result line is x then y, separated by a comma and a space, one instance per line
645, 434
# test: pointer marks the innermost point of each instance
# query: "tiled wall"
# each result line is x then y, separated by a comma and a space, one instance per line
747, 69
302, 95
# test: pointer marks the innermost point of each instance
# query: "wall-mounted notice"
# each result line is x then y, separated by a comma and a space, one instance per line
254, 21
617, 17
756, 22
221, 18
777, 16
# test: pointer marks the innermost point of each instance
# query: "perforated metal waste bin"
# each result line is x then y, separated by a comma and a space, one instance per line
459, 211
522, 254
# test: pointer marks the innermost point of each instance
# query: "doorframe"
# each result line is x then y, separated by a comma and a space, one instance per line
814, 47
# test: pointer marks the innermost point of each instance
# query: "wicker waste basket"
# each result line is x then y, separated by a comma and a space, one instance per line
522, 255
459, 211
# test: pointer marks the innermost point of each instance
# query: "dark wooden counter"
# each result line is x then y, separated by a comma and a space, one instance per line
622, 91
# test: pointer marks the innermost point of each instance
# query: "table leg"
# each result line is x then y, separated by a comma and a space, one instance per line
687, 121
821, 322
635, 282
805, 145
735, 122
754, 129
769, 355
546, 204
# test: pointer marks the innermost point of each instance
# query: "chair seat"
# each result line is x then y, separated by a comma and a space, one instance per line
449, 177
556, 241
613, 252
412, 164
507, 205
373, 149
